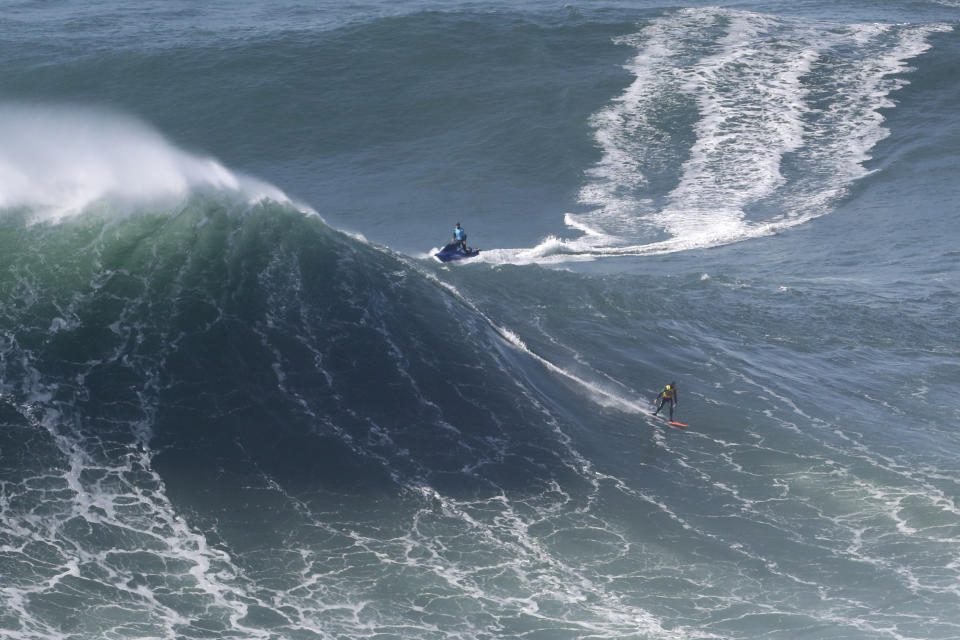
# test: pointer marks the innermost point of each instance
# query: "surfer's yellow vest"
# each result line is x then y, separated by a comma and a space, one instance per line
668, 392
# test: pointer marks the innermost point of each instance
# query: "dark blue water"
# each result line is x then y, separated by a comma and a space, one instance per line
239, 398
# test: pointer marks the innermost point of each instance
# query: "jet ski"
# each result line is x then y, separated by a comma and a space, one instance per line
454, 251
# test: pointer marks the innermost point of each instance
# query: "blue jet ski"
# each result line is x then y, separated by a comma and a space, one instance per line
454, 251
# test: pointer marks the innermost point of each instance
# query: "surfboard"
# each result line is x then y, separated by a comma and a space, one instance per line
678, 424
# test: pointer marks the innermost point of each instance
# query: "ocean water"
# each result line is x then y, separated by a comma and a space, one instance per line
239, 399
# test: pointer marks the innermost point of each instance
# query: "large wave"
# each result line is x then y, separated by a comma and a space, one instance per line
199, 386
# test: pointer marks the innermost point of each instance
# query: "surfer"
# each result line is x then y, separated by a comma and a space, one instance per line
669, 394
460, 237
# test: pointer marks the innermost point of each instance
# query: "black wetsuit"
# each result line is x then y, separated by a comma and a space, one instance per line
669, 394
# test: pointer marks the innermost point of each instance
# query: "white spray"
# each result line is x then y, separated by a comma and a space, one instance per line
58, 160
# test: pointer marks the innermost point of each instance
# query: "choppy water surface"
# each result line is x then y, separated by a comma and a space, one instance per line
240, 400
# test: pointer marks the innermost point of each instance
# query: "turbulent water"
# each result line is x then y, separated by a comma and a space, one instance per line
239, 399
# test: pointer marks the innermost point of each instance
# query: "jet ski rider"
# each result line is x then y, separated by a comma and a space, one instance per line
460, 237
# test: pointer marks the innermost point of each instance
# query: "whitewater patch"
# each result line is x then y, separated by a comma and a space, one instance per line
58, 160
781, 115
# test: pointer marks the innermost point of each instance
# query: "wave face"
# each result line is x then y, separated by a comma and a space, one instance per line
190, 395
225, 413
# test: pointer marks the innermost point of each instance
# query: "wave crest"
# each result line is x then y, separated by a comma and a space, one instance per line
59, 160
